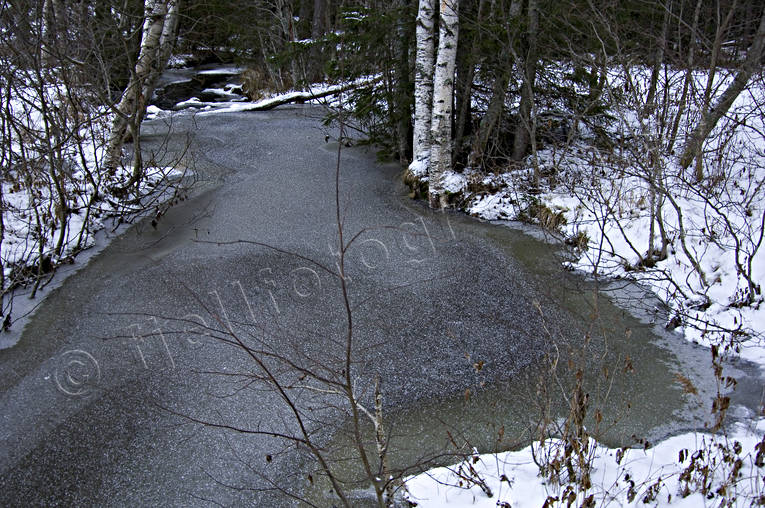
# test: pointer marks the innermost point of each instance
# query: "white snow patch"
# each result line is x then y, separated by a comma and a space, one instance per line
453, 182
620, 477
227, 71
419, 167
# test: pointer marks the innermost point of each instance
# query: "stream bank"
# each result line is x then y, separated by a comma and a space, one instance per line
448, 293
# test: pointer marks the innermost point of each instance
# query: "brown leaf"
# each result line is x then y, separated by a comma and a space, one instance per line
686, 383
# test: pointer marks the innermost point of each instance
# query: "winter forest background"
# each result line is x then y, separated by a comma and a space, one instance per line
632, 131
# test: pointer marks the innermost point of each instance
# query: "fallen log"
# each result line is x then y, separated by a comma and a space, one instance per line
296, 97
304, 96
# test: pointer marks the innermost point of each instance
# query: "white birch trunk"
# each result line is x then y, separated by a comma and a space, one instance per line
166, 43
169, 32
423, 87
443, 91
132, 98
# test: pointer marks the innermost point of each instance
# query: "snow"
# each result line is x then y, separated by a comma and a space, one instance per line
714, 223
179, 61
452, 182
602, 197
32, 188
620, 477
419, 167
224, 94
193, 102
223, 71
492, 207
268, 102
153, 112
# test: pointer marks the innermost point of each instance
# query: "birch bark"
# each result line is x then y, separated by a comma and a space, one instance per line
423, 87
443, 92
127, 110
166, 43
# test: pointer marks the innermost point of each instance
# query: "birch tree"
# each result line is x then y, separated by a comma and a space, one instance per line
129, 112
443, 91
423, 86
166, 43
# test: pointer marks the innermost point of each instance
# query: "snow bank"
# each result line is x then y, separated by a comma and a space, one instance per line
658, 476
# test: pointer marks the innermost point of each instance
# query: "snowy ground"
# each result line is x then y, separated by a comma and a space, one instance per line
44, 174
668, 474
599, 200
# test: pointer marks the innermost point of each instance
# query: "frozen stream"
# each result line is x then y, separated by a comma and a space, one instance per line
89, 396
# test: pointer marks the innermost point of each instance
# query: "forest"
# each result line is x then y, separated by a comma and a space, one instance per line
631, 132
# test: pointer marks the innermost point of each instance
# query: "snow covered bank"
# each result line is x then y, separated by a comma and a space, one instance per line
689, 470
612, 189
630, 211
56, 193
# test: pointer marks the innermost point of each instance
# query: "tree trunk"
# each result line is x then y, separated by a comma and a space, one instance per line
127, 111
658, 60
319, 25
166, 44
287, 23
423, 84
304, 19
443, 91
524, 129
497, 102
716, 45
466, 67
52, 14
463, 88
751, 64
688, 77
403, 106
490, 118
318, 28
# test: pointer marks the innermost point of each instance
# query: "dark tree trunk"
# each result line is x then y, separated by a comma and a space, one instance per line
752, 63
403, 92
318, 29
490, 119
524, 129
305, 19
658, 61
466, 60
